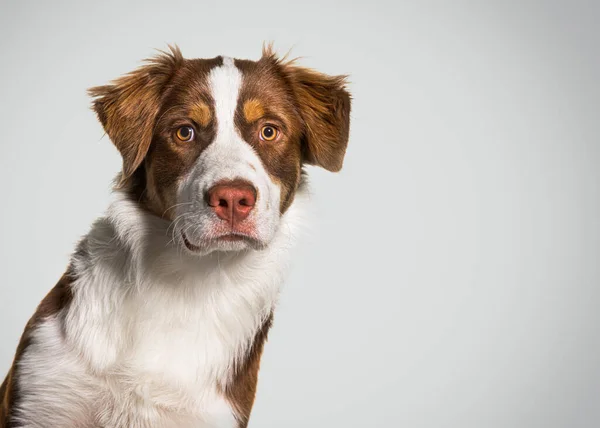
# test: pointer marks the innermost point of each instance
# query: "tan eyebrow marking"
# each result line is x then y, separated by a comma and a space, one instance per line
253, 110
200, 112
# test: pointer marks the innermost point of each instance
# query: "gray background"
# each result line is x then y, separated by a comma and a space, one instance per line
451, 278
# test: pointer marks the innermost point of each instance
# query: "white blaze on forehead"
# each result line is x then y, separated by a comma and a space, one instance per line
228, 156
225, 83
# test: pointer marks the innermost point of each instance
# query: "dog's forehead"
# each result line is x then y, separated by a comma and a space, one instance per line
255, 79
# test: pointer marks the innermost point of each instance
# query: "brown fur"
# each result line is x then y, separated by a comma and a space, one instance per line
241, 392
253, 110
281, 157
200, 112
324, 105
57, 299
180, 97
127, 108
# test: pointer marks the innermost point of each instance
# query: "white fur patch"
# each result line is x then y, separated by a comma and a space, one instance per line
151, 332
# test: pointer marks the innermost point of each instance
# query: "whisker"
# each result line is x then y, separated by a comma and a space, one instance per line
176, 205
173, 227
177, 219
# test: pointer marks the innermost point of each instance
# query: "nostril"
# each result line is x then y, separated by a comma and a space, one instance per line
232, 201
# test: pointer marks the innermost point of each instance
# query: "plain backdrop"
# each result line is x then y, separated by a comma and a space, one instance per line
452, 276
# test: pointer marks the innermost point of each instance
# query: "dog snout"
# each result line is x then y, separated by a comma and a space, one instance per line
232, 201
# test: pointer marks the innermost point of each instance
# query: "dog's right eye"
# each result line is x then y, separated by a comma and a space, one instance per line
185, 133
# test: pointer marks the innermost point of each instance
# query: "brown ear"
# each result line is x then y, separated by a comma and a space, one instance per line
128, 106
324, 105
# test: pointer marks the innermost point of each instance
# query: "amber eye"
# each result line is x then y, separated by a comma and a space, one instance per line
268, 133
185, 133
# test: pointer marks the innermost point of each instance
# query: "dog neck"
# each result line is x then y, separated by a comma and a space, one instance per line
129, 266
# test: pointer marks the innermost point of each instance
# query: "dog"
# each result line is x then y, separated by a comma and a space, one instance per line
161, 316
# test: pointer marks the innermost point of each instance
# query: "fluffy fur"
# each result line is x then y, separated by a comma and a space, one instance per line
152, 333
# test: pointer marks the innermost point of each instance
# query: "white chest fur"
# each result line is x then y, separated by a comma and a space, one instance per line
152, 333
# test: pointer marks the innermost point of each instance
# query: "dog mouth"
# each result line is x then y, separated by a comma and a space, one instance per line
232, 237
189, 245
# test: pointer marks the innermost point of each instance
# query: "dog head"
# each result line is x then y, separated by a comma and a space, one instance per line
216, 146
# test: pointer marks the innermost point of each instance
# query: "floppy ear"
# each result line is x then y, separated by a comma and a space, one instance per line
324, 104
128, 106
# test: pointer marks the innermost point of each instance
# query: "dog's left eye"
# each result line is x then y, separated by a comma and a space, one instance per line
268, 133
185, 133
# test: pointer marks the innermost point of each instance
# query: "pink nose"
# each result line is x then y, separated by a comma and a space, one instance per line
232, 200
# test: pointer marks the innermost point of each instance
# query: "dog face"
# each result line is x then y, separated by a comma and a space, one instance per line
216, 146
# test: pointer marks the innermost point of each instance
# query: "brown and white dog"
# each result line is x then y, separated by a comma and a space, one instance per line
161, 316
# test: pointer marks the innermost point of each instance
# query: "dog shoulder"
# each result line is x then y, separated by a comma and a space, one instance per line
55, 301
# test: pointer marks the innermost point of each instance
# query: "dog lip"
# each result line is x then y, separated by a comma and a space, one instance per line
227, 237
232, 237
188, 244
